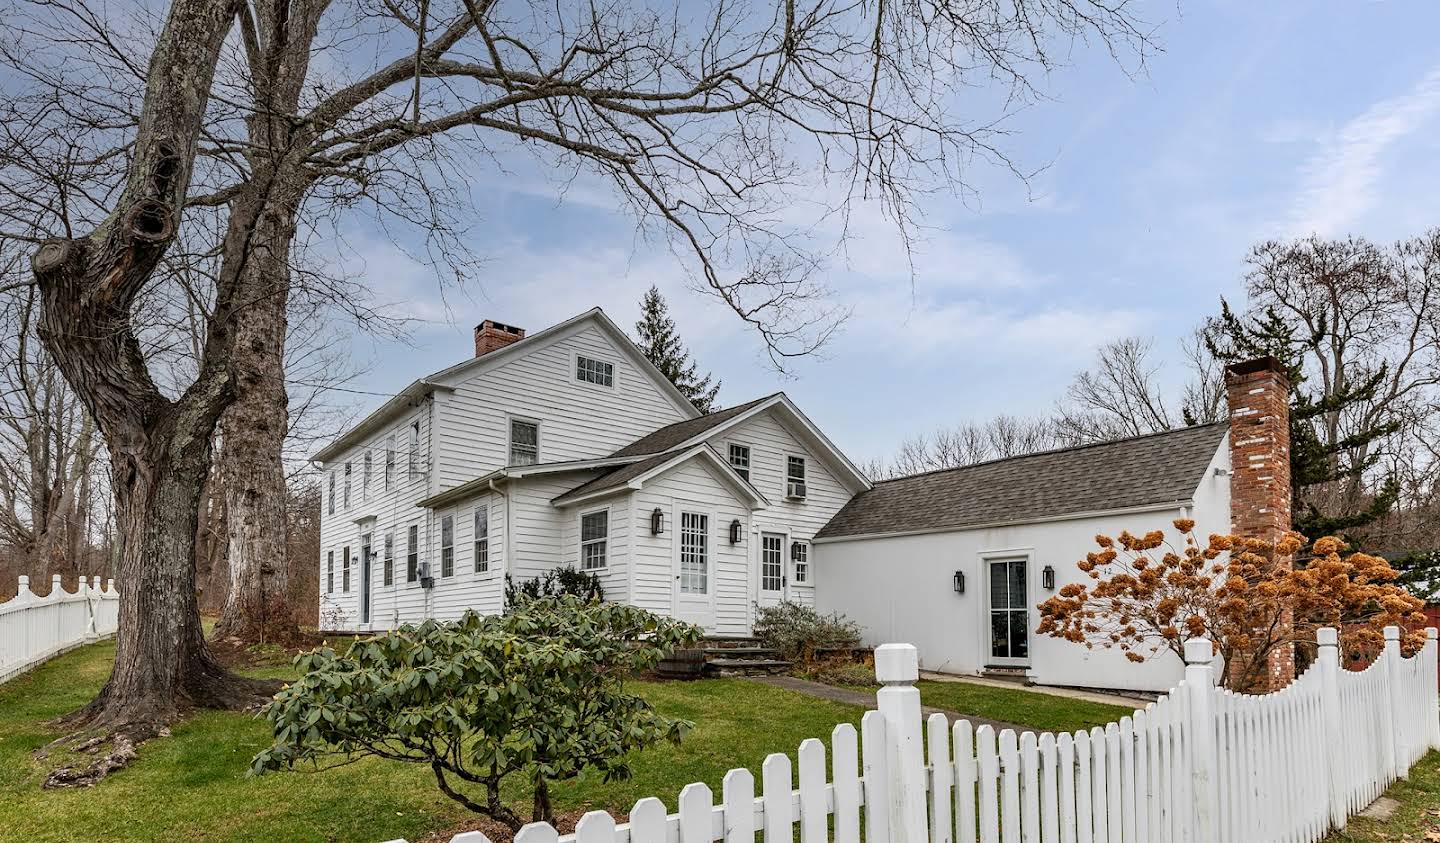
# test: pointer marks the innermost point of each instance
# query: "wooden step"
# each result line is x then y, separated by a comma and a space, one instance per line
739, 652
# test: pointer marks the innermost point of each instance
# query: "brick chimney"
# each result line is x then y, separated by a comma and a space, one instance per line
1258, 397
493, 336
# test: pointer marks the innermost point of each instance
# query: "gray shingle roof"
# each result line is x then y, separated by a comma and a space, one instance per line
1158, 468
667, 437
612, 479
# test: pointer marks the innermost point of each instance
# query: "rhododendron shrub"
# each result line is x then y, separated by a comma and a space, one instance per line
1147, 596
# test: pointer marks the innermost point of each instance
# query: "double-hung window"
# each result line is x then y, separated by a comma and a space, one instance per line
345, 569
365, 478
795, 478
412, 457
389, 570
594, 536
694, 553
346, 499
524, 442
389, 460
332, 493
740, 460
330, 572
800, 562
482, 539
412, 554
590, 370
447, 546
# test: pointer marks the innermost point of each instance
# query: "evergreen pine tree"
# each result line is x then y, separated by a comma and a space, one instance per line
661, 345
1314, 462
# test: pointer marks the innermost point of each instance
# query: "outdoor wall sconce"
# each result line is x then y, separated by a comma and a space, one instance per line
657, 522
959, 582
735, 531
1047, 578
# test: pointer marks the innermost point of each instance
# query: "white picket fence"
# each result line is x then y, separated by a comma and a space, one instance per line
33, 628
1200, 765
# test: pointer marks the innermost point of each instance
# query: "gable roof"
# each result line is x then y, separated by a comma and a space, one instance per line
1161, 468
634, 475
447, 379
695, 431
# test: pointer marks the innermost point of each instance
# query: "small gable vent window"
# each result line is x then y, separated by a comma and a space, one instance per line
795, 478
590, 370
740, 460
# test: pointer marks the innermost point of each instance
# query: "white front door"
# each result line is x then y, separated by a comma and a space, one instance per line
694, 569
772, 569
1009, 613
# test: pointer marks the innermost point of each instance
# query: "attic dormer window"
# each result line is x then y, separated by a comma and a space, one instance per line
590, 370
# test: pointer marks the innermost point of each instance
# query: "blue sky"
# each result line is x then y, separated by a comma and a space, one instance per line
1259, 120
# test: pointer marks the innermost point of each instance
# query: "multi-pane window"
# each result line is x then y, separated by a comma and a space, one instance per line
389, 570
590, 370
346, 498
594, 533
330, 572
524, 442
332, 493
412, 554
365, 478
345, 569
795, 469
740, 460
412, 458
800, 561
389, 460
447, 546
482, 539
772, 562
694, 553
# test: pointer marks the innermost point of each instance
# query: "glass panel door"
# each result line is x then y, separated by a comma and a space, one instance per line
1009, 612
365, 579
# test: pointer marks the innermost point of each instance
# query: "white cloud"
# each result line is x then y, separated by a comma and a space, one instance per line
1339, 181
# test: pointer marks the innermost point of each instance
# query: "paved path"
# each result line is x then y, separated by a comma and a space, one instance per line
866, 699
1106, 697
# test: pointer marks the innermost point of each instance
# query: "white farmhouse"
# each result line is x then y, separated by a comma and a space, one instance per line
567, 448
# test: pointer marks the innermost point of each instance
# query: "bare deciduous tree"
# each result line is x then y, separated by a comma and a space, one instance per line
698, 125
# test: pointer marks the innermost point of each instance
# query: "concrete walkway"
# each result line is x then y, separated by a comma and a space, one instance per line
1105, 697
866, 699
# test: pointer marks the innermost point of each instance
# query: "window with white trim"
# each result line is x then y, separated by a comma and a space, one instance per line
482, 539
740, 460
800, 562
332, 493
590, 370
594, 536
412, 459
346, 499
389, 460
365, 478
795, 469
694, 553
412, 554
524, 442
389, 569
345, 569
330, 572
447, 546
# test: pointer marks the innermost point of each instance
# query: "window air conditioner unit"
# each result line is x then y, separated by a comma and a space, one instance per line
795, 490
426, 579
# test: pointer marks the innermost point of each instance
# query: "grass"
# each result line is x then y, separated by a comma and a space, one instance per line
192, 786
1418, 818
1046, 712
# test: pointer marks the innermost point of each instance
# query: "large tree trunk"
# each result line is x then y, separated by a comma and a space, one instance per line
257, 603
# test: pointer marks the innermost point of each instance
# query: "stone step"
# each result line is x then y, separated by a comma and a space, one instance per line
738, 652
745, 667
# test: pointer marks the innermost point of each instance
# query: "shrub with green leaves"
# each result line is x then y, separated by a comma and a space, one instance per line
554, 583
538, 694
794, 631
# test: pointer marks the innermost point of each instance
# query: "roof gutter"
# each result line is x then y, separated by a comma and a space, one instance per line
1018, 522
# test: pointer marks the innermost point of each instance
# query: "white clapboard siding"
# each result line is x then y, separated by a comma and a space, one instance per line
1199, 765
34, 629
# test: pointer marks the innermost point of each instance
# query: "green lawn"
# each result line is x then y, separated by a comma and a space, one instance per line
1045, 712
192, 786
1419, 815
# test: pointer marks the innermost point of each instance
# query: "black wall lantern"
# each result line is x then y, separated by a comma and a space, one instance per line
959, 582
657, 522
735, 531
1047, 578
